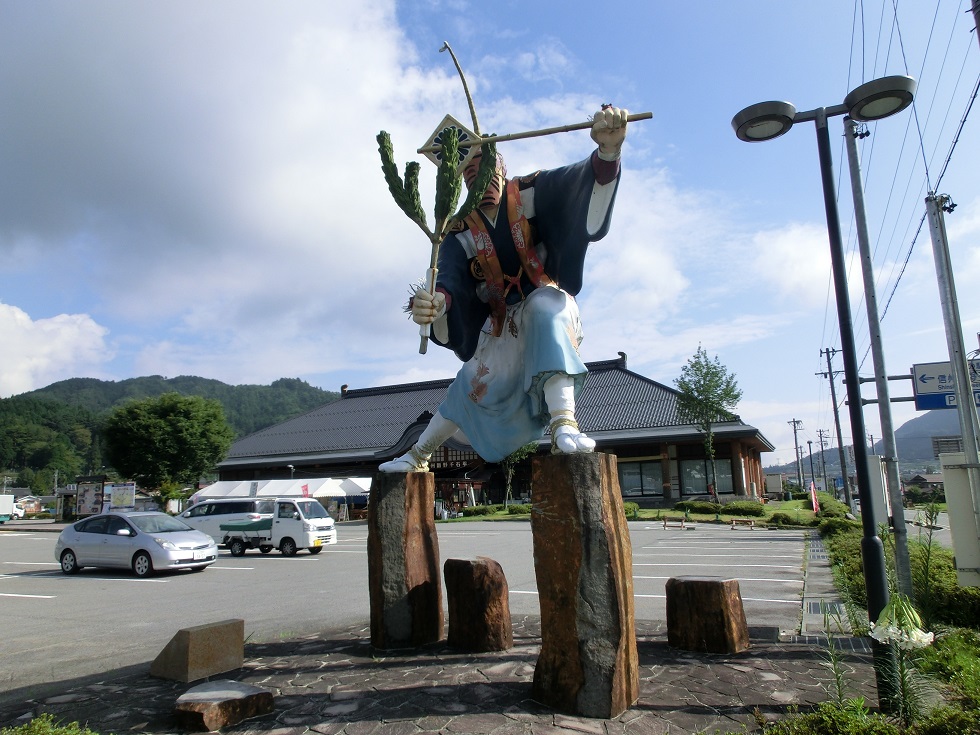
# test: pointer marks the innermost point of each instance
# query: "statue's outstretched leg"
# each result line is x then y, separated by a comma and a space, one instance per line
416, 459
566, 438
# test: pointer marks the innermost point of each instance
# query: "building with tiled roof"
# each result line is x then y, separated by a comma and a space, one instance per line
661, 458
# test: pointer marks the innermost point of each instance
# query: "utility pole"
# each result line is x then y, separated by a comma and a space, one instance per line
829, 352
822, 436
965, 407
813, 476
889, 446
797, 425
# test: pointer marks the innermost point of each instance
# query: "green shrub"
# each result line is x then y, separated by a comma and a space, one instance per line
743, 508
953, 658
481, 510
833, 526
46, 725
519, 509
698, 506
831, 507
830, 718
921, 496
949, 721
631, 509
782, 519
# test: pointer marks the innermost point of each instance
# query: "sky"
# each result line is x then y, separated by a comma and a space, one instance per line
194, 188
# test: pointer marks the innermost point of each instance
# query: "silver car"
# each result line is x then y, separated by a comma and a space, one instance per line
144, 542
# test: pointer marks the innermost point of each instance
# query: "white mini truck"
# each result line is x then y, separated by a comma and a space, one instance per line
296, 523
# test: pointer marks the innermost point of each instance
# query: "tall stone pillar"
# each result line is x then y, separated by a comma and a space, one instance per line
403, 561
584, 568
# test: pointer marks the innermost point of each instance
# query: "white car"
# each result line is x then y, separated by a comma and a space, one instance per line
209, 515
145, 542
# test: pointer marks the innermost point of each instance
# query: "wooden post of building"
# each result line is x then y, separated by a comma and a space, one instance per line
403, 561
584, 569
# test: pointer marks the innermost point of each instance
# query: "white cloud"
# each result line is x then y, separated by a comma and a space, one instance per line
43, 351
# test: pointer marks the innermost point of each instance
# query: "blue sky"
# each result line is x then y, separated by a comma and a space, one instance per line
193, 188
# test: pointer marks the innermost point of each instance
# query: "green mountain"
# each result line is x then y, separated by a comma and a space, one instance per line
248, 408
913, 440
56, 431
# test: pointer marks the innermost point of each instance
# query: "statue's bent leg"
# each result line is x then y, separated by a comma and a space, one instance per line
416, 459
566, 438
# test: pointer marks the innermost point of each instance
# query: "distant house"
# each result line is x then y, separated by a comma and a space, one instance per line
928, 481
661, 458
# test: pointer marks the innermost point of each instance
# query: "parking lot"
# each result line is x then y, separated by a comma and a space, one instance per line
58, 628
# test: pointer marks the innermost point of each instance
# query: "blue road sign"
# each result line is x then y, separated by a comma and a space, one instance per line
934, 386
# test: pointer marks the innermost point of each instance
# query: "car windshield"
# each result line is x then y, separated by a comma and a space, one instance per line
312, 509
158, 524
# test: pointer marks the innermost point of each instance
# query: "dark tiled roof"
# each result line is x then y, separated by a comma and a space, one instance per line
366, 422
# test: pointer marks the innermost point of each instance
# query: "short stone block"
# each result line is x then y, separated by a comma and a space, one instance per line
217, 704
403, 561
705, 614
479, 605
202, 651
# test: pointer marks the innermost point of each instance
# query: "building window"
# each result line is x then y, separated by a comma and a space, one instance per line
695, 474
641, 478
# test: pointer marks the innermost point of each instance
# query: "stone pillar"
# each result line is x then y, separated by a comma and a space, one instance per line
705, 614
403, 561
584, 568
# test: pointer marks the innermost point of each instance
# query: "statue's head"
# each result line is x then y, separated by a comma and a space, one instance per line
495, 189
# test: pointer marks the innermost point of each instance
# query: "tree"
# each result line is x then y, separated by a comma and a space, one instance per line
509, 465
708, 393
168, 439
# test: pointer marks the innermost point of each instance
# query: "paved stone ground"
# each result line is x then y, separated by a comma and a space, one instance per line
336, 683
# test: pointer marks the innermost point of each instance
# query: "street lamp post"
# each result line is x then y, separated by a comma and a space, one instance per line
874, 100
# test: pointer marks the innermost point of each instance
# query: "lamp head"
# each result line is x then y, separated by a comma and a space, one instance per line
764, 121
880, 98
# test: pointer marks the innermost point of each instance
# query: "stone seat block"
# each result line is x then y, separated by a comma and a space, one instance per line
202, 651
705, 614
479, 605
216, 704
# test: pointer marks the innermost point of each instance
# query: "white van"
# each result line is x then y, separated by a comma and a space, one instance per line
208, 515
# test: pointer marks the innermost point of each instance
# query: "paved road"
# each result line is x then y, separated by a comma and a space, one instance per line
57, 628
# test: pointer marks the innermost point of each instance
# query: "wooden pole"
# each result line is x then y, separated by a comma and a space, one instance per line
532, 133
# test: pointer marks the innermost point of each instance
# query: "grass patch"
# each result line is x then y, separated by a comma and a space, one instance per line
46, 725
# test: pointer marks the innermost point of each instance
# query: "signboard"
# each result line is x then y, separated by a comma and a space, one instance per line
120, 496
89, 499
934, 386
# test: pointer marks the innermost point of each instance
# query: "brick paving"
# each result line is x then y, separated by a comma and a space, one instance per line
336, 683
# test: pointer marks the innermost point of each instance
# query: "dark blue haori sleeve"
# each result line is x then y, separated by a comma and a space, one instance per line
561, 205
467, 312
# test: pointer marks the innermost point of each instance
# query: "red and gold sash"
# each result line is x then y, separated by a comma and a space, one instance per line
498, 283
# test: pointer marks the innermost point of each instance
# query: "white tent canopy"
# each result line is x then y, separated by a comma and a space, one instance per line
319, 487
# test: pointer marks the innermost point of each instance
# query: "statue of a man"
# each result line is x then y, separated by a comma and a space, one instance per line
505, 304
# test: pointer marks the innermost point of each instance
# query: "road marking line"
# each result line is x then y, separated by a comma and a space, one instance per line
741, 579
34, 597
727, 556
714, 566
744, 599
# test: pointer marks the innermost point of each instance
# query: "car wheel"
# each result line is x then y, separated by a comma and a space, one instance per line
265, 549
288, 547
142, 566
237, 547
316, 549
69, 564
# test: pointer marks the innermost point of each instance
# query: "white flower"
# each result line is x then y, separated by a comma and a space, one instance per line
899, 623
